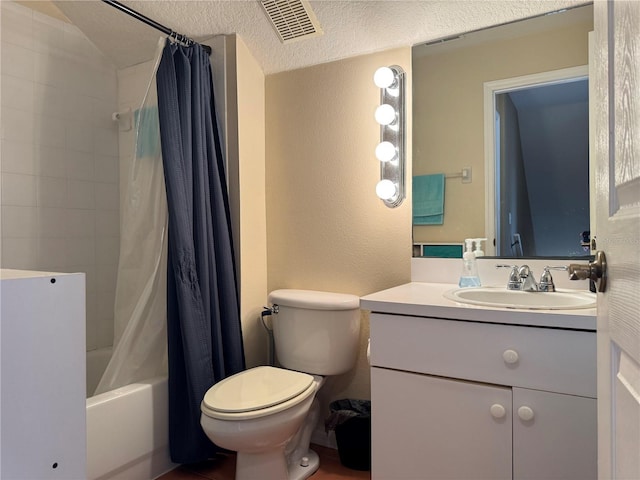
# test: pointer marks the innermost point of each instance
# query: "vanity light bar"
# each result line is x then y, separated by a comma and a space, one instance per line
391, 149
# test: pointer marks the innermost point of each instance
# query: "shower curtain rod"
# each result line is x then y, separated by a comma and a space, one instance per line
152, 23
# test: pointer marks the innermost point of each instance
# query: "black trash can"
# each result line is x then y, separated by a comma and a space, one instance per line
351, 420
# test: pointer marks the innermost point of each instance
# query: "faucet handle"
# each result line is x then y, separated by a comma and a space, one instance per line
546, 281
514, 282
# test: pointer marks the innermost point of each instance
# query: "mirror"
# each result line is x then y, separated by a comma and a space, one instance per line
450, 138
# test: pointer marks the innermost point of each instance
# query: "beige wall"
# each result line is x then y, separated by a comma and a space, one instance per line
448, 115
252, 211
326, 228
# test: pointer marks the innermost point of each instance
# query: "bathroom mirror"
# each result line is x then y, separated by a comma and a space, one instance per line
450, 137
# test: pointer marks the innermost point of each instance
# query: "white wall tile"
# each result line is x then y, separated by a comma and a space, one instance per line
80, 252
106, 84
51, 161
52, 253
49, 101
90, 271
106, 168
17, 125
52, 192
79, 137
18, 158
17, 93
107, 196
18, 190
106, 276
19, 221
92, 333
81, 194
106, 141
48, 131
80, 165
79, 108
20, 253
105, 303
81, 224
107, 223
53, 222
107, 250
51, 70
101, 115
17, 61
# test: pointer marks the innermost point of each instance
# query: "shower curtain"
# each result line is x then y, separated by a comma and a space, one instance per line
140, 345
203, 319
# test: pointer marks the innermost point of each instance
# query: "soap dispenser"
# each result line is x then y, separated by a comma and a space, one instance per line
478, 251
469, 276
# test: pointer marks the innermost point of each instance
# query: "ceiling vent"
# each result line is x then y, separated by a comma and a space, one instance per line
292, 19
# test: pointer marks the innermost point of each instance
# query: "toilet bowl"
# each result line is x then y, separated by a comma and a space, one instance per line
267, 414
256, 413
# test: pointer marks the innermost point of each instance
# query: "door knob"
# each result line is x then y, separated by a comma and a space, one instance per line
596, 271
525, 413
510, 356
498, 411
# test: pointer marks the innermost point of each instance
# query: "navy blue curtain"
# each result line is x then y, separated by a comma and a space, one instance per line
203, 320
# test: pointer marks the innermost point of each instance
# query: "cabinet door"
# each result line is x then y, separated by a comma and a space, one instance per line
426, 427
559, 441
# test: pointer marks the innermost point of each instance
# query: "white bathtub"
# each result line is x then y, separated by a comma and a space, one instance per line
127, 429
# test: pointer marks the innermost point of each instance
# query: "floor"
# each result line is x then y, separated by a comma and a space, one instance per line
224, 468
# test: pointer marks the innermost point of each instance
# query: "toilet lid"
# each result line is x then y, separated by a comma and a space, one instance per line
255, 389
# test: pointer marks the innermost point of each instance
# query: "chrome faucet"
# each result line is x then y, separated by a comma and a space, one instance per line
520, 278
528, 283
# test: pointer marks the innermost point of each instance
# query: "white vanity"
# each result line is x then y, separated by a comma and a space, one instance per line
472, 392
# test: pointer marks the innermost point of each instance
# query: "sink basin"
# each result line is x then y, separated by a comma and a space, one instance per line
501, 297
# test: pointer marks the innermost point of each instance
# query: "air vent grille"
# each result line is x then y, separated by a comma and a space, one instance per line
292, 19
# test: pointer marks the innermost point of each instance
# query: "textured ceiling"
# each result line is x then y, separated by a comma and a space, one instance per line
351, 28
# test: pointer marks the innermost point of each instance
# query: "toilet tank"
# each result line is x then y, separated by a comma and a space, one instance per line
316, 332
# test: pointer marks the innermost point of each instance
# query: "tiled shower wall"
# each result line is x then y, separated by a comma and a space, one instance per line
59, 163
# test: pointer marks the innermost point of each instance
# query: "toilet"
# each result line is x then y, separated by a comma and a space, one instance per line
267, 414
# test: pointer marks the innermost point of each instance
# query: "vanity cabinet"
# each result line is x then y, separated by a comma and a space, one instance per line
458, 399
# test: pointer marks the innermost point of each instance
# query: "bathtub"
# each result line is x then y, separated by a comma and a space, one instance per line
127, 428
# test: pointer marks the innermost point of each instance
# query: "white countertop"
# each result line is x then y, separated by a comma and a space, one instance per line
427, 300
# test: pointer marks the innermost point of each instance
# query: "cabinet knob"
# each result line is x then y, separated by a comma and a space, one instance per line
525, 413
498, 411
510, 356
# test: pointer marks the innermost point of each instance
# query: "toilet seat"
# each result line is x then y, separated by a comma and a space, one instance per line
257, 392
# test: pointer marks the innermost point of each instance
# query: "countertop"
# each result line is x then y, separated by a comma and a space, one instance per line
427, 300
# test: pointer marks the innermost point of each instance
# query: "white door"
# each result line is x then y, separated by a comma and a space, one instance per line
617, 157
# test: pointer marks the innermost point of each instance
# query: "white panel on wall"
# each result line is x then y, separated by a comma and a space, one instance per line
42, 376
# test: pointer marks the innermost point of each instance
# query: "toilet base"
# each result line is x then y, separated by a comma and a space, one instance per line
272, 465
298, 472
269, 465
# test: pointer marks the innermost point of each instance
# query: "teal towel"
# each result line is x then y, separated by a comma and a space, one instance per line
148, 125
428, 199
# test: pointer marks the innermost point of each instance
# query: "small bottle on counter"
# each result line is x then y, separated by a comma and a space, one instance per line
469, 276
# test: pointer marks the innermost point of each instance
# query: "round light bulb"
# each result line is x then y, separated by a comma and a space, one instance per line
384, 77
386, 189
386, 151
385, 114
